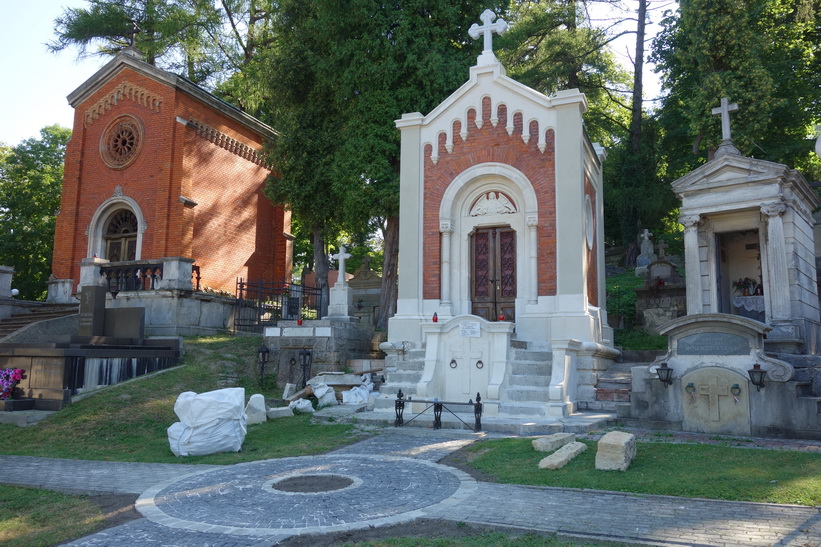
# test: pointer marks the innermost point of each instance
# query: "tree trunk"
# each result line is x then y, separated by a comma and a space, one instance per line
638, 68
321, 268
390, 285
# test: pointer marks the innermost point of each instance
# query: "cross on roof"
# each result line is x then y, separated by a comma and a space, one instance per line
499, 27
724, 111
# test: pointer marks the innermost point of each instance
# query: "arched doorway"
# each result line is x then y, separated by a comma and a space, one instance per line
120, 236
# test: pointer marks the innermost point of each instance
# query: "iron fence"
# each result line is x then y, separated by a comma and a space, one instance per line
261, 304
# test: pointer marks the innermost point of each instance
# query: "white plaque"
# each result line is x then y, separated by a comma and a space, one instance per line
469, 329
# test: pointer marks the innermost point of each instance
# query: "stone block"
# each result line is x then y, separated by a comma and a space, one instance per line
553, 442
562, 456
272, 332
323, 331
615, 451
289, 390
279, 412
255, 411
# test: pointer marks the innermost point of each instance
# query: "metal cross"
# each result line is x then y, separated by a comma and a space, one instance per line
724, 111
487, 29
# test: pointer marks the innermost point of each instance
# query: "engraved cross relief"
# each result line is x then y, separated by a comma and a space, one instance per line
713, 390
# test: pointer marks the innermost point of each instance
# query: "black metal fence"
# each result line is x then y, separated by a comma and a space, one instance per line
261, 304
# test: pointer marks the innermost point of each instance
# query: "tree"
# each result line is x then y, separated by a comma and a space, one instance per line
31, 177
552, 46
761, 54
208, 42
349, 70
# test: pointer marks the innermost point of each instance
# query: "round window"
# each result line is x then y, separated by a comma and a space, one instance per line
122, 142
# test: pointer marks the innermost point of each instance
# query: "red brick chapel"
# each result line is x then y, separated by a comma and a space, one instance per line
157, 167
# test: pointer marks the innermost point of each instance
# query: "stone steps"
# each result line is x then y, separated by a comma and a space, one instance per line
536, 380
527, 394
49, 311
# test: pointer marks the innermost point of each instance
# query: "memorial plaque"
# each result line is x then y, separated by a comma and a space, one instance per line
469, 329
92, 311
713, 343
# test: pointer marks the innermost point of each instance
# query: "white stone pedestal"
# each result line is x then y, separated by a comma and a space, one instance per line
6, 273
340, 301
60, 291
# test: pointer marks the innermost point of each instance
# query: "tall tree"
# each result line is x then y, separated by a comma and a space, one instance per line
357, 67
552, 45
206, 41
31, 177
762, 54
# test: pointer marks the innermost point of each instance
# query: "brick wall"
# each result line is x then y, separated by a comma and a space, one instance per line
233, 231
492, 144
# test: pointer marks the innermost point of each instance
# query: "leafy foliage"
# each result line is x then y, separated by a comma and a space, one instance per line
31, 177
762, 54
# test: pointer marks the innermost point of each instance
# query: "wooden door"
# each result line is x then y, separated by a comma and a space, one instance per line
493, 268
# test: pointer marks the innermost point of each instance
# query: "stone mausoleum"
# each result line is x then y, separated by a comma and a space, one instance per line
501, 277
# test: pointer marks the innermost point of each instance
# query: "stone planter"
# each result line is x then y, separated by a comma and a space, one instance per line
10, 405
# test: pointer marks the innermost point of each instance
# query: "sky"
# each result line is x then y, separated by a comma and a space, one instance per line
34, 95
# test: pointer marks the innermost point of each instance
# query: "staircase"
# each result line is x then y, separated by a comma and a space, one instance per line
16, 322
525, 388
613, 385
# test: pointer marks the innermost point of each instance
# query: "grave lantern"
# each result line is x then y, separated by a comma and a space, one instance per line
262, 358
757, 376
665, 374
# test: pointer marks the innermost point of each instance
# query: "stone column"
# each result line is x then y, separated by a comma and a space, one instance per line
60, 291
692, 263
778, 283
533, 259
90, 273
446, 228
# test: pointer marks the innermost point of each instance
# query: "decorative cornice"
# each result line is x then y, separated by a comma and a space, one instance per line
224, 141
126, 90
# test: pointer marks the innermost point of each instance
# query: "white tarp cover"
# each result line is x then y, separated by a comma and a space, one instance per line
210, 422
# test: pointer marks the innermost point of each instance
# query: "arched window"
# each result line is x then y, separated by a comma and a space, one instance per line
121, 236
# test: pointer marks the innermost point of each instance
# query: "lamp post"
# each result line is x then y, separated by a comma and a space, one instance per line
262, 358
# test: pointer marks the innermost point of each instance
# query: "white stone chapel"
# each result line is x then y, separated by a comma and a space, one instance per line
501, 251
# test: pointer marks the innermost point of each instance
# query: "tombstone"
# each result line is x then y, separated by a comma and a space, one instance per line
366, 288
711, 391
92, 311
662, 298
746, 218
647, 255
340, 297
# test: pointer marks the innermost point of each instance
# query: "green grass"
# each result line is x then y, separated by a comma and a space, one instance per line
128, 422
27, 517
688, 470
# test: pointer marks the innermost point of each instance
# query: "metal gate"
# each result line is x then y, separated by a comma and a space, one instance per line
261, 304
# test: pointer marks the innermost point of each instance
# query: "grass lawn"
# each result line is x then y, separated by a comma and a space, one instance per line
687, 470
27, 517
128, 422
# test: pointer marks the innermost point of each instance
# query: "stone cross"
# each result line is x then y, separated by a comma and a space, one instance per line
661, 246
487, 17
645, 235
366, 262
713, 390
341, 256
724, 111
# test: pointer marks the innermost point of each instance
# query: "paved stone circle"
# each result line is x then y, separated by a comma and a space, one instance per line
242, 499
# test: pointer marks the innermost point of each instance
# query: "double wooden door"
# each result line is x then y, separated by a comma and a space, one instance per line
493, 269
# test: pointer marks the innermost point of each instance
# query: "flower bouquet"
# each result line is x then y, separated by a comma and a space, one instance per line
745, 286
8, 379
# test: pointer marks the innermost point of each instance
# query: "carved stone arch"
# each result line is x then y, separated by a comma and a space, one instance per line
520, 214
103, 216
